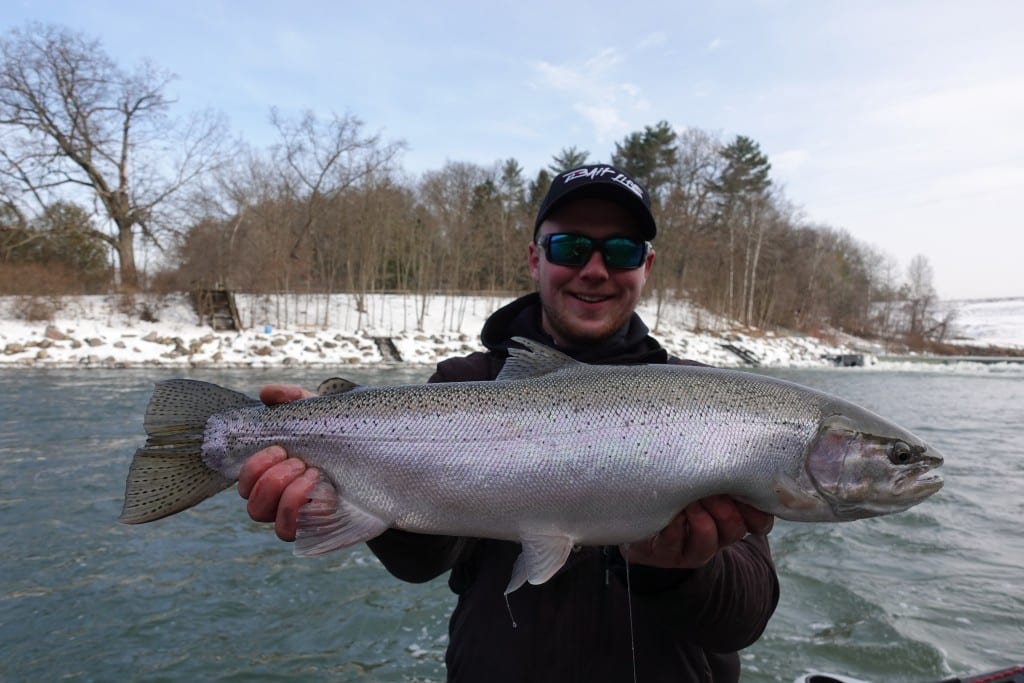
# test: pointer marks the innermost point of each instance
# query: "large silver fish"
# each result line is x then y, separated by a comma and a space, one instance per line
552, 454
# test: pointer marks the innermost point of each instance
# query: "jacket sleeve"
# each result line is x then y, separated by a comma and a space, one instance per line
418, 558
723, 606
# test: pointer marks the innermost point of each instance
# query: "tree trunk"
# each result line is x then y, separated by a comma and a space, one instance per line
126, 256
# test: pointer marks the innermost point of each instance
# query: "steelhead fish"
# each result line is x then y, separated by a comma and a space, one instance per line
552, 454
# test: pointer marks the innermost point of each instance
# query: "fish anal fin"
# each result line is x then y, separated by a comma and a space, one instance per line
541, 559
328, 522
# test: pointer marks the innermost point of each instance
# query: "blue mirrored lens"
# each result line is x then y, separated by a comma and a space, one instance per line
575, 250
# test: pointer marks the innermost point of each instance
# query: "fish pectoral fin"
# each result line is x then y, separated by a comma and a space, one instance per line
541, 558
328, 522
792, 496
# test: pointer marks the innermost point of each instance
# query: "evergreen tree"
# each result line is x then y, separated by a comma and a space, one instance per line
568, 159
649, 156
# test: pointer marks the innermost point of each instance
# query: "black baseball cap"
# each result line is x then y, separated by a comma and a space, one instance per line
600, 181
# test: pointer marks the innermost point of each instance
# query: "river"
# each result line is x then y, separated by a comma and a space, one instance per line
210, 595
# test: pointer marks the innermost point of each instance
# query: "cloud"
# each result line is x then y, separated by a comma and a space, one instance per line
595, 91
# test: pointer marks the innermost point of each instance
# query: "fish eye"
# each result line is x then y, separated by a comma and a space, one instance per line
900, 453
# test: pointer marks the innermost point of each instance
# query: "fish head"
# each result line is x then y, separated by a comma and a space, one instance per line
861, 465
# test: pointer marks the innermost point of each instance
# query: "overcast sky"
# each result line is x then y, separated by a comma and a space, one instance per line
899, 122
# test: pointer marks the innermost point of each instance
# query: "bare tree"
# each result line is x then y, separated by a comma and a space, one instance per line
322, 159
72, 122
920, 298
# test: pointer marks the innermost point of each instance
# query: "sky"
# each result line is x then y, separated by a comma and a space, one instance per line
899, 122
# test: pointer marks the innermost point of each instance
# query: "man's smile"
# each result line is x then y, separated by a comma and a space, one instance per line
592, 298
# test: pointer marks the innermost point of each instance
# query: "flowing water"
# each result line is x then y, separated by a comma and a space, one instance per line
210, 595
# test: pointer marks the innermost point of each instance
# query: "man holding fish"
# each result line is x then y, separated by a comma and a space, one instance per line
675, 607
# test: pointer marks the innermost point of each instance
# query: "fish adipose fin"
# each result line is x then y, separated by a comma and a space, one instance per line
168, 475
328, 523
535, 361
541, 558
335, 385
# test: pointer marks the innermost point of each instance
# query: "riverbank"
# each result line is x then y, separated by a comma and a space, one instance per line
342, 329
321, 330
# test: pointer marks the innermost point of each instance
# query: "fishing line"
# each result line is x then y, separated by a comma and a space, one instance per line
508, 606
629, 609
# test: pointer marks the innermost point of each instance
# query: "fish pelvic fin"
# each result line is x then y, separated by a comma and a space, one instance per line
541, 559
535, 361
168, 474
328, 522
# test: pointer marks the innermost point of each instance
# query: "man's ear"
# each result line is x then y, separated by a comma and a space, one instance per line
649, 263
533, 260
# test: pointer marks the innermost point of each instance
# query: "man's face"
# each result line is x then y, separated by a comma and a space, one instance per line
589, 303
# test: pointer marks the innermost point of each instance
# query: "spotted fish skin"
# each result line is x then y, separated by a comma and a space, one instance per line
552, 454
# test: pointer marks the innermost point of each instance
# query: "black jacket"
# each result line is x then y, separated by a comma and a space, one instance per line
687, 624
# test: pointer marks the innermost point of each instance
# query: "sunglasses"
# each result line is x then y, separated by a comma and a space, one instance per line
567, 249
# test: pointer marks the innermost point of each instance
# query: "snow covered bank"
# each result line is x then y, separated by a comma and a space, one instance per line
318, 330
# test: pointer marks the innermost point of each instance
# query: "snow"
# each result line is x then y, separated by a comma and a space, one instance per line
988, 322
331, 330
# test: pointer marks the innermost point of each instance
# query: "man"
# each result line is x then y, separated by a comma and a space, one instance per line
690, 598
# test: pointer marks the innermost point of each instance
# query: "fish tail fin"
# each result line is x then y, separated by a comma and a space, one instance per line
168, 474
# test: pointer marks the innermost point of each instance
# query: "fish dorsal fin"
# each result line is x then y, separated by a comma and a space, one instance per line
541, 558
335, 385
533, 361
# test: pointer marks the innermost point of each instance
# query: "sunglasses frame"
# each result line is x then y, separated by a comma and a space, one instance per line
598, 245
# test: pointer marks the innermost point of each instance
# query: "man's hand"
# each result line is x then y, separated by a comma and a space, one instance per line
275, 485
697, 533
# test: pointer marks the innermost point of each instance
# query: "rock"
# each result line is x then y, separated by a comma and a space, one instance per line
55, 334
94, 341
119, 345
13, 348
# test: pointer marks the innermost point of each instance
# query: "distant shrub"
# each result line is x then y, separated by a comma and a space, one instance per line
37, 308
44, 279
147, 314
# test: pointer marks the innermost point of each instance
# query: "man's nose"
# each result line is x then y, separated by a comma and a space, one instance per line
595, 266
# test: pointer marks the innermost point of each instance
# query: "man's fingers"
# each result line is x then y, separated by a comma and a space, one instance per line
267, 491
729, 521
274, 394
295, 495
256, 465
702, 542
757, 522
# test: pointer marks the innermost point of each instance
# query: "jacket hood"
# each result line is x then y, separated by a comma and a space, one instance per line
522, 318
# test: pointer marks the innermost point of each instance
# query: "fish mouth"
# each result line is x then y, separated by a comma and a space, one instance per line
923, 478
